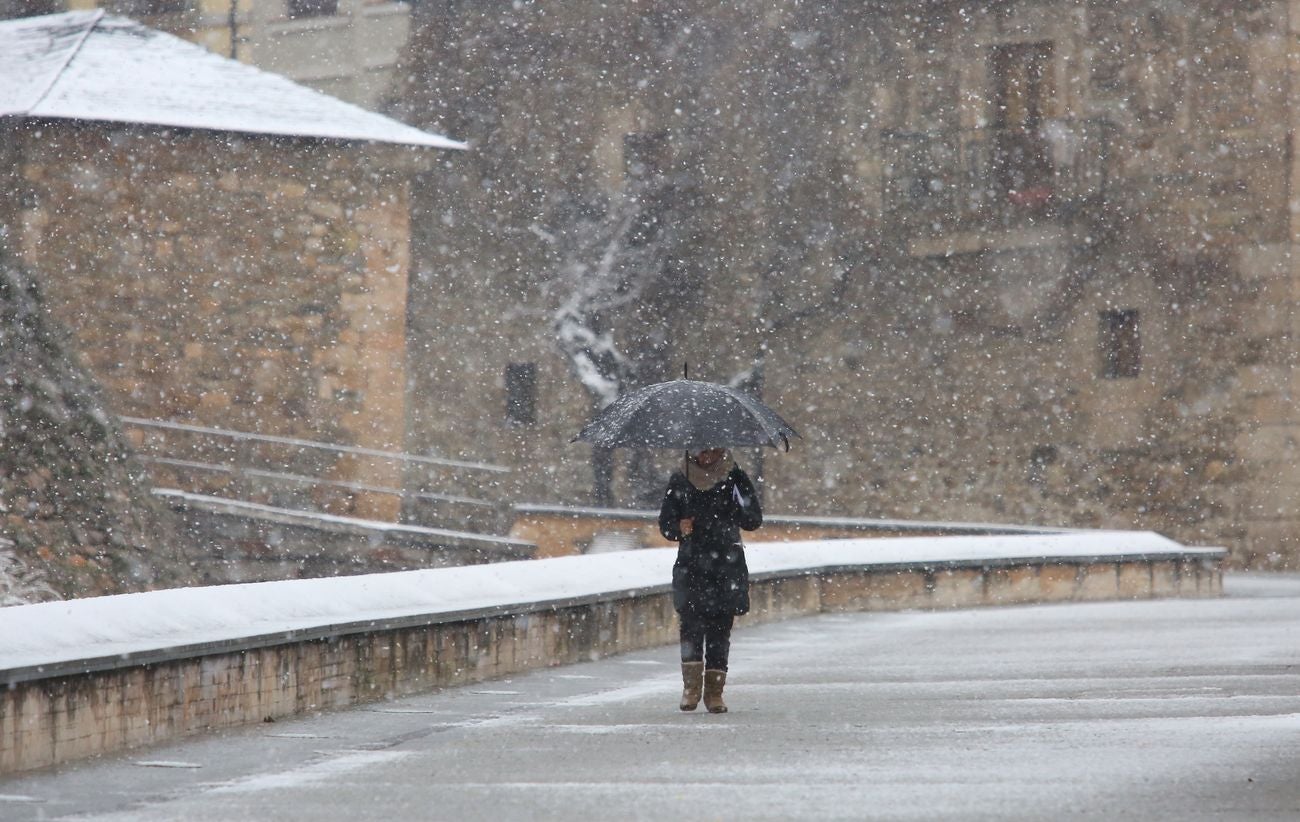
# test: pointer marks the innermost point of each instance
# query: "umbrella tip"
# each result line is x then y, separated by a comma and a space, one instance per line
686, 370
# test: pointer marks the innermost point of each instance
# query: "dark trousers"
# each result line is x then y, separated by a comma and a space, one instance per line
706, 639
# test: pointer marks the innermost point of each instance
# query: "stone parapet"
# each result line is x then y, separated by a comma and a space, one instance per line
57, 708
564, 530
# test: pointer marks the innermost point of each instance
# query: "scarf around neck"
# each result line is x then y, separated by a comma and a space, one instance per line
705, 478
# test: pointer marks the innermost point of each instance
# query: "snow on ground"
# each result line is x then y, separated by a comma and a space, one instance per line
50, 633
1181, 709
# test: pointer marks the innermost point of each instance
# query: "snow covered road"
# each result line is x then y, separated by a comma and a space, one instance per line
1170, 709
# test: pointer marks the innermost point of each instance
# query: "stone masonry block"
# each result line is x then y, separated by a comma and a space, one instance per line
1058, 583
534, 645
1274, 409
1279, 498
1273, 541
1165, 579
35, 746
803, 595
1265, 379
8, 729
1097, 582
629, 631
1269, 443
1012, 586
1265, 260
960, 588
842, 592
876, 591
1135, 580
504, 642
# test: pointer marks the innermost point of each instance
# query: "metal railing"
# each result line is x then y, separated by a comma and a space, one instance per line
303, 443
963, 179
299, 479
294, 472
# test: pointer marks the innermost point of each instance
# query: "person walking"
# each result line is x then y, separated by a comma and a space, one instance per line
704, 508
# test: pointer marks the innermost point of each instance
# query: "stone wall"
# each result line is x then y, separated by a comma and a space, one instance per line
934, 334
837, 217
254, 284
76, 516
52, 717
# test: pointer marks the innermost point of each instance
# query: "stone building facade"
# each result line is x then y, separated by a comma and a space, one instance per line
232, 281
1026, 261
231, 250
76, 516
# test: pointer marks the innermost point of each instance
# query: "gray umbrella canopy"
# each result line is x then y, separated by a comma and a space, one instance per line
686, 414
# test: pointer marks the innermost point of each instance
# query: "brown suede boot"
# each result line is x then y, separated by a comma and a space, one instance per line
692, 683
713, 684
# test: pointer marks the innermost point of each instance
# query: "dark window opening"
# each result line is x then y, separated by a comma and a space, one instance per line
1043, 455
645, 155
645, 163
1120, 343
521, 393
1021, 75
313, 8
1039, 458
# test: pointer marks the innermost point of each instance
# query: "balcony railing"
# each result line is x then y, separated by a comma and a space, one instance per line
937, 183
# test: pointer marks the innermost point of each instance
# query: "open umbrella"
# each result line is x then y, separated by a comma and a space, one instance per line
686, 414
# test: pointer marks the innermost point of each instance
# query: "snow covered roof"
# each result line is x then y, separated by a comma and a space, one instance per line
94, 66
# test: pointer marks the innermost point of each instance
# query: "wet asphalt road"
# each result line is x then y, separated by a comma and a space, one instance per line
1173, 709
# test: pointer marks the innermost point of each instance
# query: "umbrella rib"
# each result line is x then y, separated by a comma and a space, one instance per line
760, 412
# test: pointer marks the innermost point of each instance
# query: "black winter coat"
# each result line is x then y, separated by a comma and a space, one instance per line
710, 577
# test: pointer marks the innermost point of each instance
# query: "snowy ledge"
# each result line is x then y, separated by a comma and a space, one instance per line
79, 636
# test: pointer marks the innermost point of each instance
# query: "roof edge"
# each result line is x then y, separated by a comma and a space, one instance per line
68, 70
91, 22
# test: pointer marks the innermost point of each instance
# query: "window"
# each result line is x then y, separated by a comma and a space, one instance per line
1120, 343
1022, 83
645, 163
1039, 458
312, 8
645, 154
1021, 74
521, 393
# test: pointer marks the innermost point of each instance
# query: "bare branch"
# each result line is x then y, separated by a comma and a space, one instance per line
603, 269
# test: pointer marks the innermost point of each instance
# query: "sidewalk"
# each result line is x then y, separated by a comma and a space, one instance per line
1160, 709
